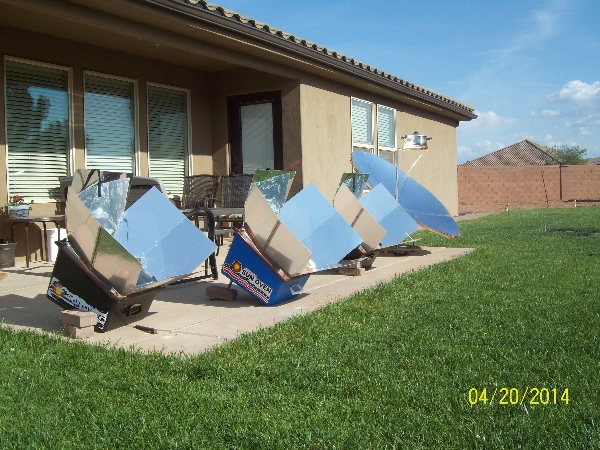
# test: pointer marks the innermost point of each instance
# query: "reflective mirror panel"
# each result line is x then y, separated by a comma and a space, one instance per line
319, 226
274, 186
356, 182
389, 214
116, 264
167, 243
274, 238
106, 202
359, 218
418, 202
82, 228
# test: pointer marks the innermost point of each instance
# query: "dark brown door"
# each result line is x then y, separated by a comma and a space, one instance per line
255, 134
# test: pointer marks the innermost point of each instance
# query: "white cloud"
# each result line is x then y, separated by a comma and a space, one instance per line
479, 148
590, 121
546, 113
578, 92
464, 153
541, 25
488, 146
488, 119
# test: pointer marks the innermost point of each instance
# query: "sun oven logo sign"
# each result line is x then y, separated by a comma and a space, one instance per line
248, 280
68, 299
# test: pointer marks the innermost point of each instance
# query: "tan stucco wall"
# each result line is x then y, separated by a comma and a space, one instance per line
436, 168
326, 137
327, 140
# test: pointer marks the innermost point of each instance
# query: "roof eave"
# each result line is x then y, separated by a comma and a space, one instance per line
322, 57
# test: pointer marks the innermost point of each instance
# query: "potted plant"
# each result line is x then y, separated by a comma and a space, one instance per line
17, 208
7, 253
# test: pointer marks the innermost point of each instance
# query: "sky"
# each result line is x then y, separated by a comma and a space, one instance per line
530, 68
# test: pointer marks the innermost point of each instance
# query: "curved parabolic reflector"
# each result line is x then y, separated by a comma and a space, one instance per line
418, 202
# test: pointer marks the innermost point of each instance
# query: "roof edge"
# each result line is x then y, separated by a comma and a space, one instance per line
201, 9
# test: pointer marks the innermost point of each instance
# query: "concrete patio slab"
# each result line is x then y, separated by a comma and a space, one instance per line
182, 319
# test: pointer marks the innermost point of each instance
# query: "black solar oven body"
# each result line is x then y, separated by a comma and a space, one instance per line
74, 286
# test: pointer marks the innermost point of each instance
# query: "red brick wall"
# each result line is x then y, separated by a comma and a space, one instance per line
581, 182
485, 189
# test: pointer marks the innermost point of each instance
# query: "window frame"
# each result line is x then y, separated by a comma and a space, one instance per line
375, 147
360, 145
188, 99
136, 116
394, 147
70, 147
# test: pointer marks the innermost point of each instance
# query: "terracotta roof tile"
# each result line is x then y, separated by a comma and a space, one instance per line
202, 5
524, 153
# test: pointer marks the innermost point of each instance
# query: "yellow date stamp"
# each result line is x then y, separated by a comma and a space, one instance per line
514, 396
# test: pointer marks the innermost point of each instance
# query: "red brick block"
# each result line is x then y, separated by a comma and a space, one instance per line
352, 271
79, 319
78, 333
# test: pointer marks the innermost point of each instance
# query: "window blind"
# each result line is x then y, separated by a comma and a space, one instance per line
37, 124
386, 132
362, 124
258, 151
109, 124
168, 136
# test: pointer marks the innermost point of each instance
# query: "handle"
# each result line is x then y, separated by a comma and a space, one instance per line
134, 309
296, 289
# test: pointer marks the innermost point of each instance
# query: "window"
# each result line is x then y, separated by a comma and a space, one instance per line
386, 132
381, 140
362, 125
38, 128
110, 138
168, 136
255, 131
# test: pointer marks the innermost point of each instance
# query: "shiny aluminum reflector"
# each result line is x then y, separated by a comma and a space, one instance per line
418, 202
359, 218
389, 214
320, 227
274, 186
356, 182
106, 201
274, 238
167, 243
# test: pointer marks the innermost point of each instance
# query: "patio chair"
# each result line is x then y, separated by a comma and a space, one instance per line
199, 191
234, 191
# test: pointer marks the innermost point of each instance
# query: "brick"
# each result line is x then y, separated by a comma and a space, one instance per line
221, 293
78, 333
352, 271
79, 319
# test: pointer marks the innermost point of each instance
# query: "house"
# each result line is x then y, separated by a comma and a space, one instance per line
168, 88
523, 153
524, 175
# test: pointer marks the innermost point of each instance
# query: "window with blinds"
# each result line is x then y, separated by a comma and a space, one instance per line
386, 129
109, 124
37, 125
168, 136
362, 124
258, 151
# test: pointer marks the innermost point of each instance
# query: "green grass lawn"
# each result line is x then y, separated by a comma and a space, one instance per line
390, 367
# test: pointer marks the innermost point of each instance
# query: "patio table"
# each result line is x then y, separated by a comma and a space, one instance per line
43, 220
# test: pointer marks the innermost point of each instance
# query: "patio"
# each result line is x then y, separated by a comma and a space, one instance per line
183, 319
